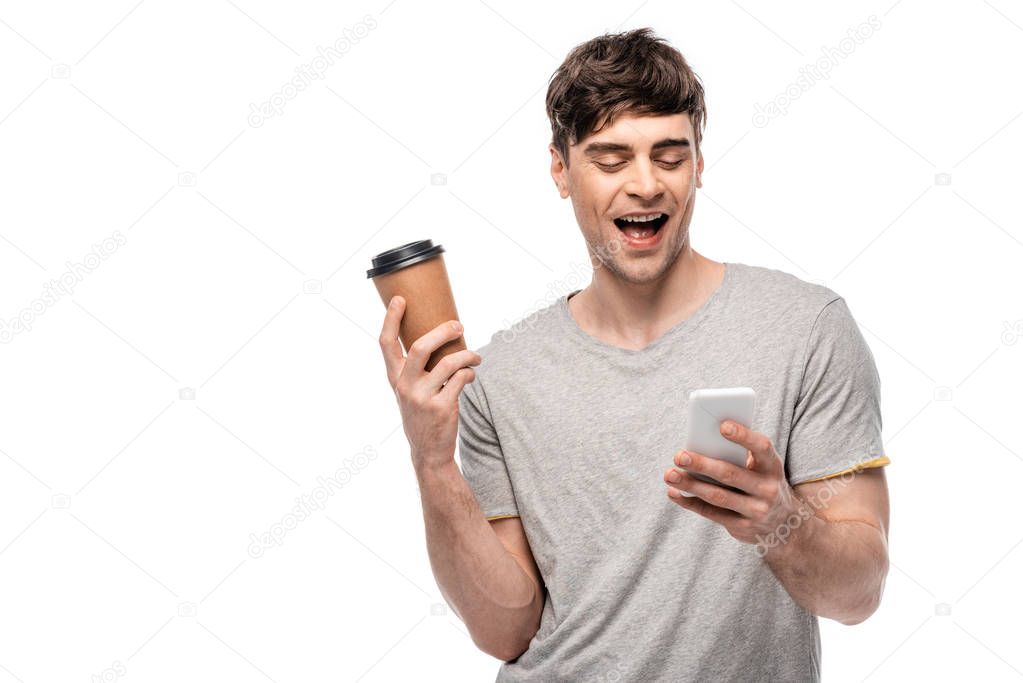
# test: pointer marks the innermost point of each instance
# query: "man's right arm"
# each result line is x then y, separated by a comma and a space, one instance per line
485, 570
486, 573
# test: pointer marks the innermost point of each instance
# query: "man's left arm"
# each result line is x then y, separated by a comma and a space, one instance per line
834, 565
825, 540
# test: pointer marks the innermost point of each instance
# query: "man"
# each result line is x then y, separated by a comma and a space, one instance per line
565, 542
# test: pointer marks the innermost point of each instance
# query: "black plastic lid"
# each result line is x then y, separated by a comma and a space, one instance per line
403, 256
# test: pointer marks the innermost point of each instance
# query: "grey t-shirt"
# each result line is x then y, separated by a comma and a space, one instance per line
573, 436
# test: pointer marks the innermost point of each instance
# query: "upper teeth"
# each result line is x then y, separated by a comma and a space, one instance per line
641, 219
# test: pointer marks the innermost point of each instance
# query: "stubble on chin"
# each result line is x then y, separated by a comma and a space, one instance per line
611, 256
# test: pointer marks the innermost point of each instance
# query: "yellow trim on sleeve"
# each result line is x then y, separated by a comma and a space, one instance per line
876, 462
491, 519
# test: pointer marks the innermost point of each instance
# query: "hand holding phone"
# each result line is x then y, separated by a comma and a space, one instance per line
708, 408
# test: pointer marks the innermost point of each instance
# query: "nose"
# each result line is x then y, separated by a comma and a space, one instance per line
644, 182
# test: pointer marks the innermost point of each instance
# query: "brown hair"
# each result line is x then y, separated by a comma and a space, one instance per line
634, 72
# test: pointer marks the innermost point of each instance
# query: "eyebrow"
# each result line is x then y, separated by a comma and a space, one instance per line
604, 147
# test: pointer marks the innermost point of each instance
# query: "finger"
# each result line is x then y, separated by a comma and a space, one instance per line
711, 493
670, 480
457, 382
725, 472
449, 365
703, 508
389, 344
419, 352
758, 444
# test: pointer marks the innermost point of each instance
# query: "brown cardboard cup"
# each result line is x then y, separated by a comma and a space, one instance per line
416, 272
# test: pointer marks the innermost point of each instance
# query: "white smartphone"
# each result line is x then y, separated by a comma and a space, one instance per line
707, 409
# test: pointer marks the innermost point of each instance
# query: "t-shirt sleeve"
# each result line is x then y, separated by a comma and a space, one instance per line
836, 424
480, 453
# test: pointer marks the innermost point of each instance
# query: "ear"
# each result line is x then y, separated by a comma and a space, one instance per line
699, 171
558, 171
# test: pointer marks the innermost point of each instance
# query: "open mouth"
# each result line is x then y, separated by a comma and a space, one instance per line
641, 227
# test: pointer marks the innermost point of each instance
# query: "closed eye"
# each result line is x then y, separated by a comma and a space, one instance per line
665, 164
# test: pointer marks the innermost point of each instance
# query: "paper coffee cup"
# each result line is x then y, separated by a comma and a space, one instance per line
416, 272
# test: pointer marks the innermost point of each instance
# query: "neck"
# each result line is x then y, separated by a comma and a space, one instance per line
632, 315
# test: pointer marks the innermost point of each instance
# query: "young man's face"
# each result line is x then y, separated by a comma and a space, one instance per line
639, 166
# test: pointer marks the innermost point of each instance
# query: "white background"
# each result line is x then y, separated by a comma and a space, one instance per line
128, 504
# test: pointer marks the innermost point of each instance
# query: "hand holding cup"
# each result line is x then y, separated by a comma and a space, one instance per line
428, 399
